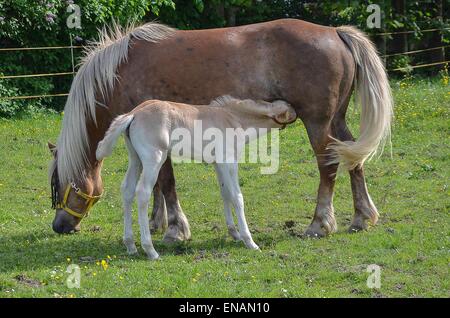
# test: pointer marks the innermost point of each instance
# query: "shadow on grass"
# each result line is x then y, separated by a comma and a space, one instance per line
44, 249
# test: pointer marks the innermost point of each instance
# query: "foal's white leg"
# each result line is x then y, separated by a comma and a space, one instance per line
231, 182
152, 160
128, 191
226, 205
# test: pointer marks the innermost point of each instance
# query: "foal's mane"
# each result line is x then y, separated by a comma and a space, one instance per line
96, 77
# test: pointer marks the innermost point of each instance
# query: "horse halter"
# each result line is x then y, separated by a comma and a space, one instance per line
90, 201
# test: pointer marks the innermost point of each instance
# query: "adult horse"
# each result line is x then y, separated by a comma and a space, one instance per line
310, 66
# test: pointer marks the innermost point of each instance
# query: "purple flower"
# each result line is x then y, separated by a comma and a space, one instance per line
50, 5
78, 39
50, 17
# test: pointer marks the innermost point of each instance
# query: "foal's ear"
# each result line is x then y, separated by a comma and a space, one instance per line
52, 148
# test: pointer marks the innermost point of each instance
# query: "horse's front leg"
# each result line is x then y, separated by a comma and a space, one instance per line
158, 221
178, 225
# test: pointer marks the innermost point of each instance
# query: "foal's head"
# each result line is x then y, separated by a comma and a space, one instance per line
73, 200
280, 113
276, 114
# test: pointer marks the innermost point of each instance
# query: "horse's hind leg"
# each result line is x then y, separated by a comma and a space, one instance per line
324, 221
226, 206
152, 160
365, 210
228, 172
128, 189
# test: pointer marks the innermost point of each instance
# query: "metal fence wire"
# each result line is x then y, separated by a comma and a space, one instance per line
73, 72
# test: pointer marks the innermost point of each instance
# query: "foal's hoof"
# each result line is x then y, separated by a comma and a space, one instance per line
153, 256
234, 234
131, 247
250, 244
132, 250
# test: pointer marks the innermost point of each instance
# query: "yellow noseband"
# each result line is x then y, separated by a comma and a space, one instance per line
90, 201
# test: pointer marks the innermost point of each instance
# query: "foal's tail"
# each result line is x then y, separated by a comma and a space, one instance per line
374, 94
118, 126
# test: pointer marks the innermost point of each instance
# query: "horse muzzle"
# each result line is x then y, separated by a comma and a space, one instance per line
65, 223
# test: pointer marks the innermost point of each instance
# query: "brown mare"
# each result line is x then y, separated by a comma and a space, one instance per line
310, 66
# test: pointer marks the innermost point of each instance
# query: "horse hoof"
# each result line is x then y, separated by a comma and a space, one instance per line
250, 244
132, 251
253, 246
315, 233
175, 235
154, 257
359, 224
234, 234
356, 228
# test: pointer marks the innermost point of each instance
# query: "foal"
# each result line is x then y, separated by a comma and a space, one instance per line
150, 131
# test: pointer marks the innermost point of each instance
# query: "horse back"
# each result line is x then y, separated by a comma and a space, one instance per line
284, 59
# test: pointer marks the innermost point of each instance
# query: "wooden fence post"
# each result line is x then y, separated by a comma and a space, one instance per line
400, 41
437, 38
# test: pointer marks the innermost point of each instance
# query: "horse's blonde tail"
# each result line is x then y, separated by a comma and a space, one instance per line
374, 94
118, 126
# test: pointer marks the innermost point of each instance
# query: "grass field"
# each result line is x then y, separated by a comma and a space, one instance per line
411, 242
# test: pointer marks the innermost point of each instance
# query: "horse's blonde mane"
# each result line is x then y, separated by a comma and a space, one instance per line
95, 77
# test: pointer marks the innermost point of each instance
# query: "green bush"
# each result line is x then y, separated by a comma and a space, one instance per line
38, 23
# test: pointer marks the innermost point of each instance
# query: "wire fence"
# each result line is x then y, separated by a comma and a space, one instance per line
73, 72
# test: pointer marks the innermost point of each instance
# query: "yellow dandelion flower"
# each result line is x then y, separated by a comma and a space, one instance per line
94, 274
104, 264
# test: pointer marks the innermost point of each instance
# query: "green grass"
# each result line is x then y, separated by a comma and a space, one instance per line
410, 243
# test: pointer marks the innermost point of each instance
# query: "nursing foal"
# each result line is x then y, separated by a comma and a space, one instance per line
150, 131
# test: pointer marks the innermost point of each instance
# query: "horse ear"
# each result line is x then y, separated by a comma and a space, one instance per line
52, 148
